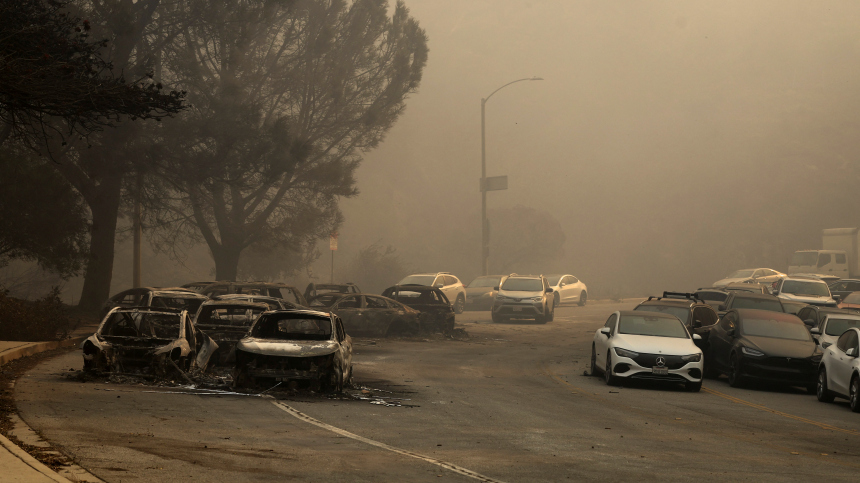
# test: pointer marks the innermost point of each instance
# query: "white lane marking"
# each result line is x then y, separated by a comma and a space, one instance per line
448, 466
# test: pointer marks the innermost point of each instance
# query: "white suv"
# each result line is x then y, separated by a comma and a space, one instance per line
524, 296
809, 290
444, 281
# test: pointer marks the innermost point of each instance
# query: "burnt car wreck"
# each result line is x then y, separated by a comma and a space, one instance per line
145, 341
297, 347
227, 322
436, 312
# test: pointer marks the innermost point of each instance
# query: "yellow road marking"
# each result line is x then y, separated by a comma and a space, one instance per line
444, 464
780, 413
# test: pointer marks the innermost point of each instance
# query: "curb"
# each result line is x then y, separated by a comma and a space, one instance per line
37, 347
28, 460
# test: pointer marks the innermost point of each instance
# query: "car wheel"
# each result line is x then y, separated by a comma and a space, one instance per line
593, 370
583, 297
693, 386
607, 372
854, 394
735, 375
556, 300
460, 304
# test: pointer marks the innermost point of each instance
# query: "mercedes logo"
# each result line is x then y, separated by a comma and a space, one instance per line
661, 361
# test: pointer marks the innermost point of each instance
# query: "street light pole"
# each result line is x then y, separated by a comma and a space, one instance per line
485, 231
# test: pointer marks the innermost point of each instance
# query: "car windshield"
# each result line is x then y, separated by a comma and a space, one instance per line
804, 258
418, 280
652, 326
682, 313
240, 316
797, 287
553, 279
741, 274
523, 285
777, 329
180, 303
482, 282
142, 324
772, 305
292, 327
837, 327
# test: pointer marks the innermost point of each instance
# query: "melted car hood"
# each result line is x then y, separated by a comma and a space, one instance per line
287, 348
782, 347
646, 344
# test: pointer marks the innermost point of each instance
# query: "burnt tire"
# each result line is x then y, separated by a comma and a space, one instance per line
583, 298
460, 304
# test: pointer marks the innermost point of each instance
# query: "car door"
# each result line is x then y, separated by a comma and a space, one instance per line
703, 319
344, 348
349, 310
377, 315
720, 342
451, 288
602, 341
567, 290
841, 363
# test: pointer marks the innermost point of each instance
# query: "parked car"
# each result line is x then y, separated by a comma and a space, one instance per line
808, 290
828, 279
197, 286
295, 346
843, 288
170, 298
226, 322
271, 289
315, 290
757, 275
436, 315
567, 289
444, 281
833, 326
814, 315
695, 314
750, 287
640, 345
524, 296
839, 373
375, 316
745, 300
272, 302
147, 341
713, 296
750, 344
481, 292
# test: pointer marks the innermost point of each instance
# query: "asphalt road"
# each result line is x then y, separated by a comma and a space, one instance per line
510, 404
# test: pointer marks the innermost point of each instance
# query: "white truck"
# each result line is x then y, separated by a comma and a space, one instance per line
840, 255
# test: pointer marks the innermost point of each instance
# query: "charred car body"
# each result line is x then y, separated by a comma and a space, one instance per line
147, 341
436, 313
227, 321
272, 302
270, 289
315, 290
177, 298
295, 346
375, 316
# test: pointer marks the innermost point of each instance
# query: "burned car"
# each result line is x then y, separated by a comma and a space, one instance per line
227, 321
315, 290
375, 316
270, 289
147, 341
297, 347
436, 315
273, 302
177, 298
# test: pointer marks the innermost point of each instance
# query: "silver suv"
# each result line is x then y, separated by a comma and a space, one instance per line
450, 285
809, 290
524, 296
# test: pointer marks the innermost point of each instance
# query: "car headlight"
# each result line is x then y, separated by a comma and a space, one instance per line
502, 298
752, 352
626, 353
537, 299
692, 357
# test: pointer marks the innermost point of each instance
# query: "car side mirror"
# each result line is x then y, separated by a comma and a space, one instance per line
496, 288
731, 332
852, 352
697, 337
811, 323
697, 324
548, 290
606, 331
721, 307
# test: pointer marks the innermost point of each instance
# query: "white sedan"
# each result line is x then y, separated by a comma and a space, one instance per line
839, 371
647, 346
833, 326
568, 289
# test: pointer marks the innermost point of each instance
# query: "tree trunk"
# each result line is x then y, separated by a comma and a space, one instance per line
102, 236
226, 262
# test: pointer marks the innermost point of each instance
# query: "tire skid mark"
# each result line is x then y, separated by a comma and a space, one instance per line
760, 407
443, 464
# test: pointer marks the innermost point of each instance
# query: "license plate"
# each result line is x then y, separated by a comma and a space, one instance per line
518, 309
660, 371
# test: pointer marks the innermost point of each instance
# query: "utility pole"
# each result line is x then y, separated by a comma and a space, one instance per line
332, 245
138, 231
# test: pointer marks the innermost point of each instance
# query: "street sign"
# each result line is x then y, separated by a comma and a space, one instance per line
332, 241
494, 183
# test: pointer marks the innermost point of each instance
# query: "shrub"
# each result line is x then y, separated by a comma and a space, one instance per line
43, 319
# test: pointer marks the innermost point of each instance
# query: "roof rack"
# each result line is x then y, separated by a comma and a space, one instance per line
676, 295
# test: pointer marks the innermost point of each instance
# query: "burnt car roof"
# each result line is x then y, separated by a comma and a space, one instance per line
180, 294
316, 313
233, 303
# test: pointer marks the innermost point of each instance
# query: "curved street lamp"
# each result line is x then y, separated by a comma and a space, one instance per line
485, 231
